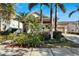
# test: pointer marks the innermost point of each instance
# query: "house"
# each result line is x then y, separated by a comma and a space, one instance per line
73, 27
69, 26
10, 26
63, 26
46, 21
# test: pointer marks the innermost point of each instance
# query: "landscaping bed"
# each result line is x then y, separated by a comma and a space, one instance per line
53, 45
37, 41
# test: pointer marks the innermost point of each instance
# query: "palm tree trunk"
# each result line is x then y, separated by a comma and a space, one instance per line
51, 13
56, 17
41, 20
51, 32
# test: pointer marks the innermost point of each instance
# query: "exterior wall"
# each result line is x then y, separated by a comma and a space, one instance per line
73, 28
2, 24
62, 28
12, 24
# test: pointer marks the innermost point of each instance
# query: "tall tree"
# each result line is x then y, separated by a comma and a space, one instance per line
8, 10
51, 20
61, 6
3, 9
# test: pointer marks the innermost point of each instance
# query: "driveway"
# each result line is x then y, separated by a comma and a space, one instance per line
72, 37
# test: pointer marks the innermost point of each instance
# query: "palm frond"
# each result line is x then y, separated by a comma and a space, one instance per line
22, 16
62, 7
7, 10
73, 12
31, 5
10, 10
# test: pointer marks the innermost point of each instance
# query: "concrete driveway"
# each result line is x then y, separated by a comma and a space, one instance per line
72, 37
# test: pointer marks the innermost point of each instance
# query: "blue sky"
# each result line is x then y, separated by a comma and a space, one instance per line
23, 7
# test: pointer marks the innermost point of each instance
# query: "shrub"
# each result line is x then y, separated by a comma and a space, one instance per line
32, 40
21, 39
35, 40
11, 36
1, 38
57, 35
46, 36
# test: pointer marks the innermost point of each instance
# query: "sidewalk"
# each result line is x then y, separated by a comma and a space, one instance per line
39, 51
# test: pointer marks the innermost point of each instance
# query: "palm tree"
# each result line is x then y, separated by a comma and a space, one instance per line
7, 10
10, 11
61, 6
51, 12
3, 9
31, 5
22, 17
32, 23
51, 20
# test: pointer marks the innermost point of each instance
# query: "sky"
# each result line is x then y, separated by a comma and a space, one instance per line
23, 8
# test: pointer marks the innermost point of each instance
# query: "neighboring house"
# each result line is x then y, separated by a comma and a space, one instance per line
10, 25
69, 26
73, 27
46, 21
63, 26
